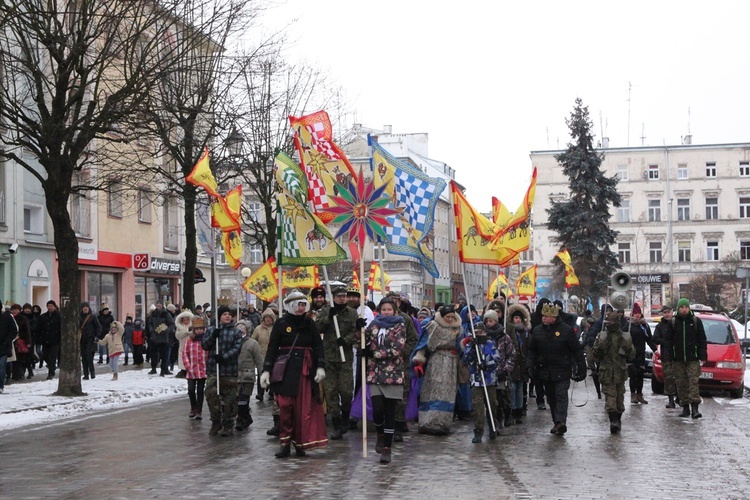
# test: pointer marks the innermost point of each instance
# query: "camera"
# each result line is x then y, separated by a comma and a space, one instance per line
13, 248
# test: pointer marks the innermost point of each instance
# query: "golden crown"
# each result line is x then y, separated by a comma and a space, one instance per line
550, 310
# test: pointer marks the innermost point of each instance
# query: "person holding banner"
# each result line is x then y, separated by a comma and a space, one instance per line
385, 339
486, 365
339, 381
297, 390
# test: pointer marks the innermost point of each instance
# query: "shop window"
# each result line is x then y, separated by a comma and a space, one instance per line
103, 289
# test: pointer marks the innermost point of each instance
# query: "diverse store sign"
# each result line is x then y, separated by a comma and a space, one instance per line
165, 266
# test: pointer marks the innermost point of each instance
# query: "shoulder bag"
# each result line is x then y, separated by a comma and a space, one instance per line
279, 366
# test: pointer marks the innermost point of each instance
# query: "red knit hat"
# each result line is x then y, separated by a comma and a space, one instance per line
636, 309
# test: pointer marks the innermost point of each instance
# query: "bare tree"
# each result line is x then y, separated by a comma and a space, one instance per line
72, 73
271, 90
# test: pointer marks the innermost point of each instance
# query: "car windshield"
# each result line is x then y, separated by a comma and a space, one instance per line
718, 332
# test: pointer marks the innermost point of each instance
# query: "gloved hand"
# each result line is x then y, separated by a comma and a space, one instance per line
365, 352
265, 380
361, 323
332, 312
340, 341
418, 370
320, 374
219, 359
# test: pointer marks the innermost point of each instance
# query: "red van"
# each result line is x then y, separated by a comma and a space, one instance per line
725, 368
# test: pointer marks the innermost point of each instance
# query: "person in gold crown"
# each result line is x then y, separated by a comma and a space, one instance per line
553, 350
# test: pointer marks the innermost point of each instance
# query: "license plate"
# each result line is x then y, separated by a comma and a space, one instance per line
707, 375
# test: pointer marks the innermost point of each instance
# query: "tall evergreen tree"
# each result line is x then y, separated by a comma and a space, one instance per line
582, 221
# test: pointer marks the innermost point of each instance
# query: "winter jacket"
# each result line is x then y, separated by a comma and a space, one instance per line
114, 341
660, 333
520, 340
640, 332
127, 337
262, 334
105, 320
230, 343
8, 332
254, 318
24, 330
612, 349
139, 337
282, 337
159, 325
90, 332
181, 334
489, 361
553, 352
686, 338
49, 327
386, 365
194, 359
347, 319
250, 358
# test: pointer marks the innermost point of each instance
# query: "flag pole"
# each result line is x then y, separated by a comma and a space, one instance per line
362, 344
382, 271
476, 349
278, 259
335, 318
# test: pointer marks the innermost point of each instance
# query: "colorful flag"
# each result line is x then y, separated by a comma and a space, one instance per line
290, 177
231, 242
355, 280
516, 236
570, 275
354, 251
374, 281
202, 175
300, 277
500, 282
526, 283
474, 245
226, 211
264, 281
323, 162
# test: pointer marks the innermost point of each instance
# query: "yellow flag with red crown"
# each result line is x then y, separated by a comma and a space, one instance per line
264, 281
570, 275
355, 280
374, 281
231, 242
526, 283
202, 175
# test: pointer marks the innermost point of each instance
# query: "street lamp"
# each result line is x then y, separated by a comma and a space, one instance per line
245, 272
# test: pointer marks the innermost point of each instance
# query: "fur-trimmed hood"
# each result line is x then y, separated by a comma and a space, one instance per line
441, 322
181, 331
526, 315
492, 303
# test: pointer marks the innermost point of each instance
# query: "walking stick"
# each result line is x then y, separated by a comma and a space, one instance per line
218, 385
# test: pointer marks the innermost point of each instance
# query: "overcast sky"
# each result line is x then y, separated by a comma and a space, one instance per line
491, 81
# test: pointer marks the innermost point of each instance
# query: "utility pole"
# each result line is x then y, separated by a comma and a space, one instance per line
629, 87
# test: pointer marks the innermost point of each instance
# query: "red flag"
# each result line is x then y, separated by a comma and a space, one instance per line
354, 250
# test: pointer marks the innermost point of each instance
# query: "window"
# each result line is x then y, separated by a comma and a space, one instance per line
712, 208
745, 250
33, 220
144, 207
623, 211
710, 169
745, 207
745, 169
654, 210
683, 209
114, 199
623, 253
683, 251
622, 172
254, 209
80, 210
653, 172
654, 252
171, 226
682, 171
712, 250
256, 254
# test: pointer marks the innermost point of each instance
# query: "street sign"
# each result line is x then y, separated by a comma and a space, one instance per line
199, 276
141, 261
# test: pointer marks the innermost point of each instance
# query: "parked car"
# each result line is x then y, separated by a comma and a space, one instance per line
725, 368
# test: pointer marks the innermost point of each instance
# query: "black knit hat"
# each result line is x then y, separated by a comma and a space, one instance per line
222, 310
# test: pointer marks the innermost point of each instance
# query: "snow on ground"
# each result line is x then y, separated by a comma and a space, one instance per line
32, 403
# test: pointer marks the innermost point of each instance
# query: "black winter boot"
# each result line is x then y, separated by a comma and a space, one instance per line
614, 422
477, 436
274, 431
284, 451
518, 414
524, 408
685, 411
336, 434
694, 410
670, 403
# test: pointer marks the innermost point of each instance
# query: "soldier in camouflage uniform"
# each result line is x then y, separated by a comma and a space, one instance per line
686, 339
411, 343
339, 381
229, 343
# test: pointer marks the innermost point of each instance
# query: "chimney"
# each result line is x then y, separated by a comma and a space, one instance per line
687, 140
605, 142
387, 129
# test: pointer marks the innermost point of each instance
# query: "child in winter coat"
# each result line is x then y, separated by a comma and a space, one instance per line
138, 343
113, 342
486, 364
250, 358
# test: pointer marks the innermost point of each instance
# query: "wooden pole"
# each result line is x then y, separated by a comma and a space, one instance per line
362, 344
335, 319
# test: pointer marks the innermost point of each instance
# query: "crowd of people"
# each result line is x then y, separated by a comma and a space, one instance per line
432, 366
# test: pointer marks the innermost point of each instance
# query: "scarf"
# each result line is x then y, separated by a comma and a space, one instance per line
381, 321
